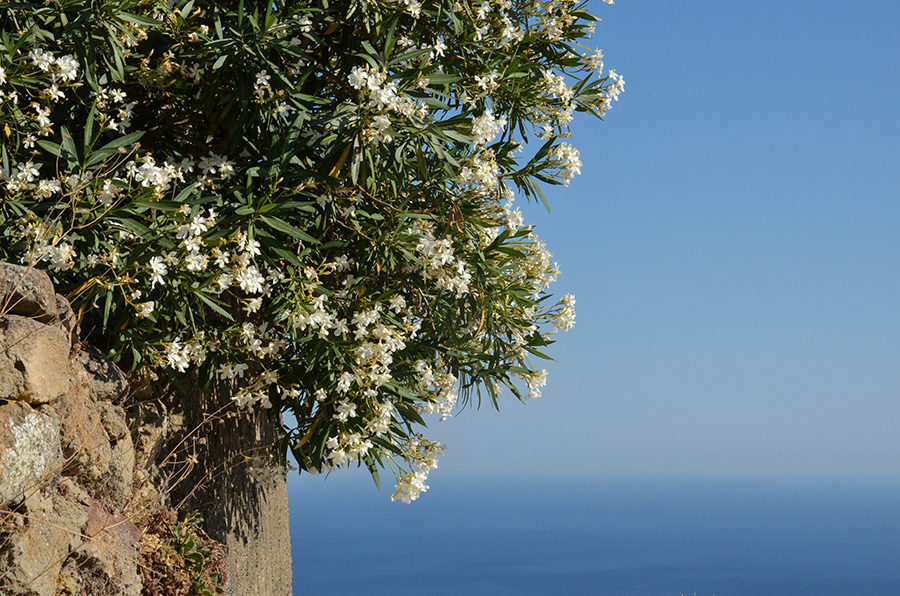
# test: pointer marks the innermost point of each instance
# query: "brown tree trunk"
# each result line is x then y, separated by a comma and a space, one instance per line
212, 477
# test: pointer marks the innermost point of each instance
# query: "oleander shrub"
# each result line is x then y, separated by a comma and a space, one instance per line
310, 205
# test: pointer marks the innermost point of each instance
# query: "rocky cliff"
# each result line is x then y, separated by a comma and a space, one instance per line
87, 471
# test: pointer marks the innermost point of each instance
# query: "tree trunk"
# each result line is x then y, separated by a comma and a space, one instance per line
248, 517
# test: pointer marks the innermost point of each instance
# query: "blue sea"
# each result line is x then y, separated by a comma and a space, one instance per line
629, 536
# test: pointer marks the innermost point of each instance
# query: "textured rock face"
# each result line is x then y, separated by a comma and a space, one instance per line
33, 558
85, 443
66, 453
28, 292
34, 360
29, 448
85, 487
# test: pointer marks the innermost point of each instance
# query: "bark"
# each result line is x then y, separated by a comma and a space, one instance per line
212, 477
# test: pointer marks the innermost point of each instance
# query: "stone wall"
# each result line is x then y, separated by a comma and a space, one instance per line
83, 500
67, 460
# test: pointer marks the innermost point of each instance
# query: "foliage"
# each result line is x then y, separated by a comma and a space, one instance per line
179, 558
191, 547
308, 203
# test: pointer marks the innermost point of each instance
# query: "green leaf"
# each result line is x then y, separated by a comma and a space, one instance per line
107, 308
216, 306
89, 128
68, 145
112, 148
373, 469
138, 20
442, 79
368, 47
50, 147
282, 226
537, 352
185, 193
288, 256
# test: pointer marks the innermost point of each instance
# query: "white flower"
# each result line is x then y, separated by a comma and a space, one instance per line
594, 61
358, 77
397, 303
158, 270
514, 219
262, 81
108, 193
28, 171
568, 159
145, 309
43, 60
47, 188
224, 280
195, 261
196, 72
252, 248
613, 91
178, 356
345, 409
53, 93
250, 280
410, 487
68, 67
344, 382
488, 82
414, 8
61, 256
535, 381
565, 320
381, 424
253, 305
485, 128
556, 86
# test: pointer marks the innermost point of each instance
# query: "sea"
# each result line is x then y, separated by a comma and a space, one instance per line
616, 535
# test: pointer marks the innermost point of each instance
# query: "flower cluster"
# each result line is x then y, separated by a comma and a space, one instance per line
383, 96
485, 128
422, 456
568, 160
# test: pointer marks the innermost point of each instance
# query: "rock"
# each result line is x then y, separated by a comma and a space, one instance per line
66, 320
150, 432
29, 449
85, 444
113, 420
33, 360
104, 379
68, 582
120, 478
150, 422
110, 553
31, 560
28, 292
72, 503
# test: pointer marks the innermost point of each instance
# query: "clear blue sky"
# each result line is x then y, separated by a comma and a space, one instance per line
733, 245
